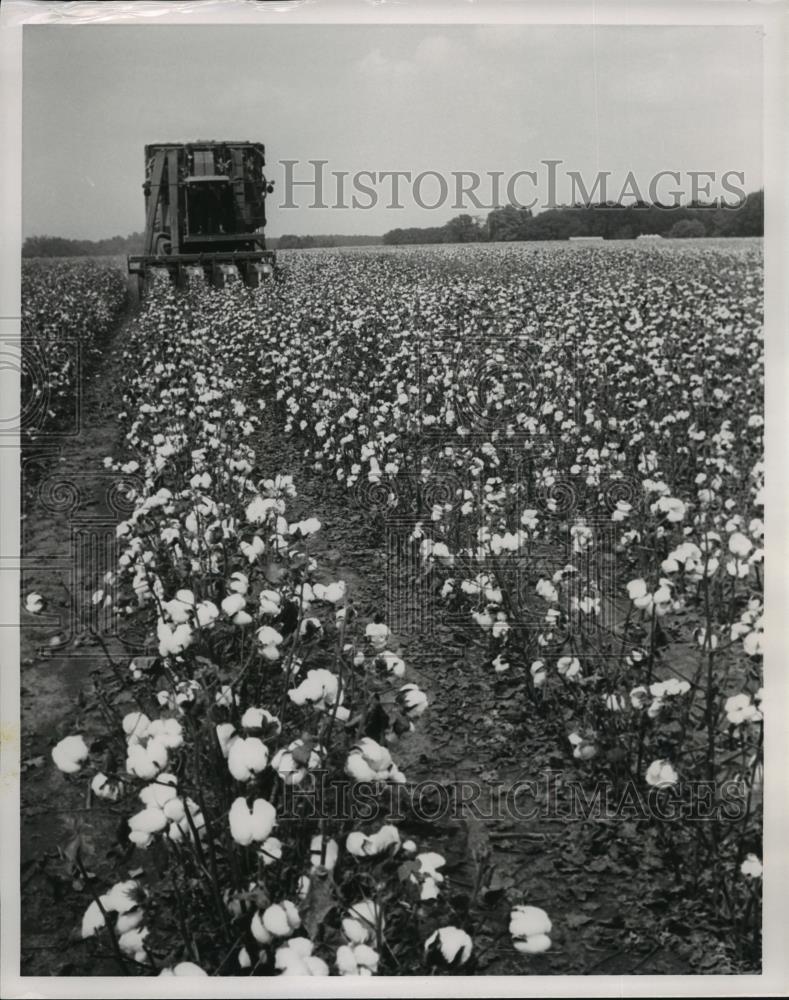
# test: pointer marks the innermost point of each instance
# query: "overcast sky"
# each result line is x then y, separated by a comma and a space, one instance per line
391, 98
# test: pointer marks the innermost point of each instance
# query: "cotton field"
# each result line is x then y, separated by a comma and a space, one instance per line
569, 440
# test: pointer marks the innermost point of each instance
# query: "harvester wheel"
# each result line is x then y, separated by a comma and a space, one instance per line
225, 274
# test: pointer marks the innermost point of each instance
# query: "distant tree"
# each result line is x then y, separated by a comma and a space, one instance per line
291, 242
746, 220
507, 223
403, 237
687, 229
624, 233
464, 229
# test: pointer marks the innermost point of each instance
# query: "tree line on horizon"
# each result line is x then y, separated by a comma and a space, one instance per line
609, 220
509, 223
60, 246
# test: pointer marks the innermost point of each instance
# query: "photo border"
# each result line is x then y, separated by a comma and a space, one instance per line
774, 18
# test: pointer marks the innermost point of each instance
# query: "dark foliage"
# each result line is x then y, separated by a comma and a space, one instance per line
609, 221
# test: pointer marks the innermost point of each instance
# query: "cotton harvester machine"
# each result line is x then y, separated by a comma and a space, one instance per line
205, 213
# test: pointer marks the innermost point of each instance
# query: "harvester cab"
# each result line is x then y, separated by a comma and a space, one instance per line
205, 214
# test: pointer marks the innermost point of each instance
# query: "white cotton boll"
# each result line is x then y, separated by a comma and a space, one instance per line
174, 639
253, 550
135, 726
310, 689
345, 961
160, 792
393, 663
240, 819
146, 761
225, 696
128, 921
637, 590
259, 932
226, 735
264, 819
356, 844
288, 768
174, 810
387, 836
268, 636
233, 603
430, 862
740, 545
156, 749
270, 850
355, 930
92, 920
247, 757
281, 919
256, 824
34, 603
429, 889
356, 767
259, 509
500, 665
568, 667
122, 897
660, 774
751, 867
331, 593
306, 527
184, 969
304, 596
150, 820
526, 921
320, 688
367, 957
168, 732
206, 613
453, 944
296, 959
259, 718
538, 673
103, 788
310, 627
378, 634
312, 966
270, 602
325, 857
275, 921
181, 607
133, 943
70, 753
533, 945
362, 921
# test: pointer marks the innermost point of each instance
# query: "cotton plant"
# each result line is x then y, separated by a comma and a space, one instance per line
255, 676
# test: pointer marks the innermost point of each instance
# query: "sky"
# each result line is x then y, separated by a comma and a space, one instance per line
390, 98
